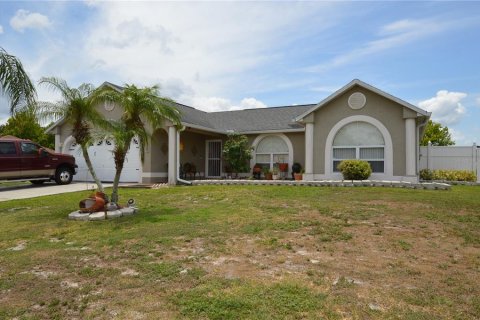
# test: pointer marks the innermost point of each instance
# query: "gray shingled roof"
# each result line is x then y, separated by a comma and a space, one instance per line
254, 120
244, 121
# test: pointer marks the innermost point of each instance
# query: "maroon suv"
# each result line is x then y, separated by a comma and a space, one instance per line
22, 159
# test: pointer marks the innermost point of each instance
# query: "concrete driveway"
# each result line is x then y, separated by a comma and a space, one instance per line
48, 188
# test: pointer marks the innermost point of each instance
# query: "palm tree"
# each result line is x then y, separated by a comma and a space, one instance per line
14, 82
76, 108
141, 107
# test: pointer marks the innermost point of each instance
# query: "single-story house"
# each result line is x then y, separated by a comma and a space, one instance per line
358, 121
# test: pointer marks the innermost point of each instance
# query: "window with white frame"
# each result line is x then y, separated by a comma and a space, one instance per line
271, 150
359, 140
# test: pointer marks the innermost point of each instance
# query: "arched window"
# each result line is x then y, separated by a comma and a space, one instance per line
271, 150
359, 140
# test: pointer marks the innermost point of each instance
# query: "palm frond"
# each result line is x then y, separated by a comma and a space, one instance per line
14, 82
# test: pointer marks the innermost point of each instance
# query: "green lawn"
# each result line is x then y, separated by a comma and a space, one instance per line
246, 252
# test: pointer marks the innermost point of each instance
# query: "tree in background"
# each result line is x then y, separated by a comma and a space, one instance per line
15, 83
24, 124
237, 152
141, 107
437, 135
77, 109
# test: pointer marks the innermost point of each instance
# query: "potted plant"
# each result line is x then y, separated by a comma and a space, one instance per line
267, 174
275, 174
296, 168
257, 171
298, 176
283, 167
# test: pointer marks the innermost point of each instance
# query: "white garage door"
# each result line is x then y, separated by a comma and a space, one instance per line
102, 160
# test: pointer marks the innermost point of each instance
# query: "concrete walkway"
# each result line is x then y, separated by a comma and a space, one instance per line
48, 188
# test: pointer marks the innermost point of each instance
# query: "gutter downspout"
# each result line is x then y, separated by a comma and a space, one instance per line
423, 124
178, 158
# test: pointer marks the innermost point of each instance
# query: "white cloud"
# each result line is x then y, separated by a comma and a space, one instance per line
215, 104
478, 101
445, 106
24, 19
1, 29
252, 103
148, 43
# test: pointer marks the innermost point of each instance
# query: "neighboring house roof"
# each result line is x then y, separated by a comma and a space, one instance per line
356, 82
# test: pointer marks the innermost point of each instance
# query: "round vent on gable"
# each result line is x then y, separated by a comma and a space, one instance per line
357, 100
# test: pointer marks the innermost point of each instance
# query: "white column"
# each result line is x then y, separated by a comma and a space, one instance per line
58, 147
172, 155
410, 147
309, 151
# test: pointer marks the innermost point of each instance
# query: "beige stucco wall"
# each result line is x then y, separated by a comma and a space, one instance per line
65, 129
389, 113
298, 142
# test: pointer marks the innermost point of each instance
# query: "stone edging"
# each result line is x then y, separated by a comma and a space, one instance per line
102, 215
461, 183
329, 183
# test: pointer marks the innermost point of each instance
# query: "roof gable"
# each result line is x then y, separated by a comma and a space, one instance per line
356, 82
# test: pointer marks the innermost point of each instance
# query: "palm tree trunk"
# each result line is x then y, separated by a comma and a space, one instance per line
119, 161
90, 168
116, 180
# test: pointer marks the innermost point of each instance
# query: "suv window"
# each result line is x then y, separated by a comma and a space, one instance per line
7, 148
29, 148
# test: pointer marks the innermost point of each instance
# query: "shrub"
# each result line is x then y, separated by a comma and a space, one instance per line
355, 169
296, 168
426, 174
449, 175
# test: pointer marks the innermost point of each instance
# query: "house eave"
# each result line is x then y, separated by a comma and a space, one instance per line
360, 83
273, 131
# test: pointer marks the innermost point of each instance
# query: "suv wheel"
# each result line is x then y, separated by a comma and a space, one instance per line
63, 175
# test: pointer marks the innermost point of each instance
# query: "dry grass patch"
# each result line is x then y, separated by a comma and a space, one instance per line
249, 252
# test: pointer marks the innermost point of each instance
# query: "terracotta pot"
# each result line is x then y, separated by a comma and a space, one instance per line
283, 167
268, 176
92, 204
298, 176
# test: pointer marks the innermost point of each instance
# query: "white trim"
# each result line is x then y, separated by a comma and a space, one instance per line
273, 131
309, 128
207, 158
360, 83
196, 126
226, 132
410, 161
388, 153
280, 135
172, 163
67, 143
154, 174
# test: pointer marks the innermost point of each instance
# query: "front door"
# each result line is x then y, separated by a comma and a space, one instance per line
214, 158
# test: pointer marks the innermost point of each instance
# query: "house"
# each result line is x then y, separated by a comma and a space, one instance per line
358, 121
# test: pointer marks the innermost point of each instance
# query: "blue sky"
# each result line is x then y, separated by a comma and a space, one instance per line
231, 55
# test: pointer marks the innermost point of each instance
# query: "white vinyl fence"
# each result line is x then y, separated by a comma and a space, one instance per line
451, 158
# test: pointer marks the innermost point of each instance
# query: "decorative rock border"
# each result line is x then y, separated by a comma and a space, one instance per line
461, 183
329, 183
102, 215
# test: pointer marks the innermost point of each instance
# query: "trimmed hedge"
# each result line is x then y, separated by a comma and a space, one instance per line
448, 175
355, 169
